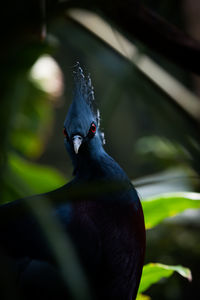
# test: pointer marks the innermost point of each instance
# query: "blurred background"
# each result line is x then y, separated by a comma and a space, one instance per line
152, 136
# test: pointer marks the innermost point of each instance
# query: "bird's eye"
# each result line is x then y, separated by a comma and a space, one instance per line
65, 133
93, 128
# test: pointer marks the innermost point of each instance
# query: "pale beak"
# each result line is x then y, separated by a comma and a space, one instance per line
77, 141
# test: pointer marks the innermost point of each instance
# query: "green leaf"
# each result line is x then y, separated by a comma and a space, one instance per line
153, 272
24, 178
142, 297
158, 208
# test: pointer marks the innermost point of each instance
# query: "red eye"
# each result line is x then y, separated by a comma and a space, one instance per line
65, 132
93, 128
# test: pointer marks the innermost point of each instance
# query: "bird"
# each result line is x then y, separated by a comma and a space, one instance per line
99, 210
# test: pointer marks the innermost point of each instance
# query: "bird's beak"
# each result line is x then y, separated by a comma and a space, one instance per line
77, 141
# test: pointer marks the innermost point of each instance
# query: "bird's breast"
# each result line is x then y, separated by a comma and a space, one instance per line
110, 240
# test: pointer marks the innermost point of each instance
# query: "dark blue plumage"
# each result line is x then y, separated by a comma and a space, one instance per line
99, 209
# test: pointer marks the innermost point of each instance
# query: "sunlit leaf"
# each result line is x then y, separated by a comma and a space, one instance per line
153, 272
156, 209
143, 297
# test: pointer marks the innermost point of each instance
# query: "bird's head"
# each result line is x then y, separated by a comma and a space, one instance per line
81, 127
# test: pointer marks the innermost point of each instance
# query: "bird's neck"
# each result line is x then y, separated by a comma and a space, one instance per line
99, 165
107, 178
88, 165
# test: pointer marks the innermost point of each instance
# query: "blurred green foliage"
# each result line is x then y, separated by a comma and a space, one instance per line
23, 178
33, 122
157, 208
27, 117
153, 272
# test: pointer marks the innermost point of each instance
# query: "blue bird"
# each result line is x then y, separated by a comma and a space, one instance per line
99, 210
